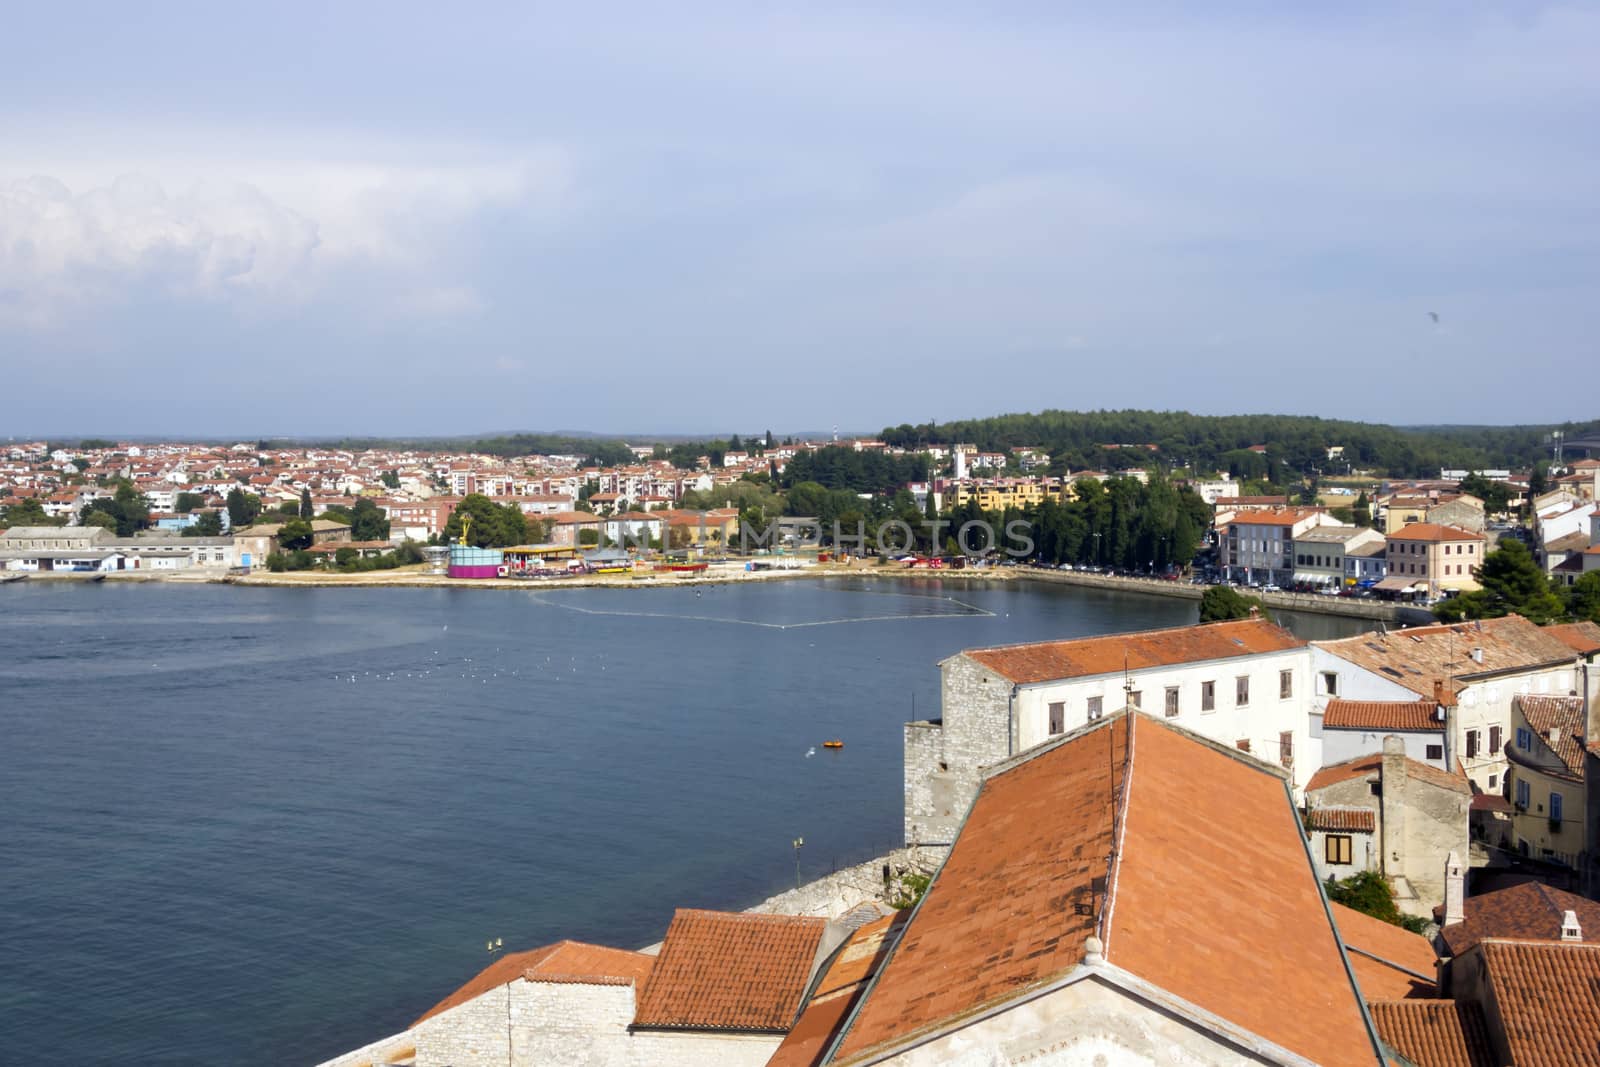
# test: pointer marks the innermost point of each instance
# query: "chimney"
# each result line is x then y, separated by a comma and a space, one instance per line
1392, 787
1441, 692
1554, 737
1477, 654
1570, 930
1455, 891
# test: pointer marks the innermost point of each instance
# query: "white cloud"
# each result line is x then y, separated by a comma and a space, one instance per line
263, 233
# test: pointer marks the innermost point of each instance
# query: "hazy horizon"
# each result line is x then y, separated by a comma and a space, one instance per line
316, 222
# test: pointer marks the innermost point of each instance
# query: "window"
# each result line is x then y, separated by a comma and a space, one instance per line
1058, 716
1172, 701
1208, 696
1330, 683
1494, 740
1241, 691
1472, 743
1436, 752
1243, 744
1494, 780
1096, 705
1524, 738
1286, 748
1285, 685
1555, 807
1336, 849
1136, 698
1522, 794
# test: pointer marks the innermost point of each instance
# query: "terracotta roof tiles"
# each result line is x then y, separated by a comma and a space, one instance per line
1372, 763
564, 961
1432, 531
1382, 715
1531, 911
1434, 1033
730, 971
1019, 893
1051, 660
1419, 656
1564, 715
1546, 995
1349, 820
856, 963
1390, 961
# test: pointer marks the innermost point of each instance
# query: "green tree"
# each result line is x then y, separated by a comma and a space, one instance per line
391, 479
344, 556
207, 524
187, 502
1496, 496
305, 504
1220, 604
103, 519
127, 506
295, 535
1368, 893
1363, 510
243, 508
493, 525
367, 522
1583, 598
27, 512
1512, 581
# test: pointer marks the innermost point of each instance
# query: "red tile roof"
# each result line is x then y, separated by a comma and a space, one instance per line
1419, 656
1434, 1033
1530, 912
1213, 926
1382, 715
1051, 660
730, 971
857, 963
569, 961
1283, 517
1372, 763
1350, 820
1547, 1000
1390, 961
1432, 531
1564, 715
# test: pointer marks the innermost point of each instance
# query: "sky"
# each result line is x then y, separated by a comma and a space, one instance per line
328, 219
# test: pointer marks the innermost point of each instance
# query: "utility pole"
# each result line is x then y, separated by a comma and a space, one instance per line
799, 842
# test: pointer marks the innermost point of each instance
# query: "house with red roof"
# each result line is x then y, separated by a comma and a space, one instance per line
1259, 545
1388, 813
1244, 683
1080, 918
1430, 559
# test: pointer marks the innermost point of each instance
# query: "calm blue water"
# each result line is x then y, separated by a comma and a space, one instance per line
264, 826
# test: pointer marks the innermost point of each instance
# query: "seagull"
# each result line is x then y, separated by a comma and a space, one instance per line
1435, 316
812, 751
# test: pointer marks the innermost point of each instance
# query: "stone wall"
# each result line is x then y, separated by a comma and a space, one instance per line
841, 891
393, 1049
474, 1034
943, 772
654, 1048
572, 1023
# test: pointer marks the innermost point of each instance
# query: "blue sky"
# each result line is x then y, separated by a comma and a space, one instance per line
414, 219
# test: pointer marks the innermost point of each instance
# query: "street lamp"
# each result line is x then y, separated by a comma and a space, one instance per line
798, 843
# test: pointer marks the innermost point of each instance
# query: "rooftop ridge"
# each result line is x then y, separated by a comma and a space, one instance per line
1114, 634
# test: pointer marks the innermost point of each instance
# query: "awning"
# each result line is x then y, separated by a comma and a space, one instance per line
1400, 585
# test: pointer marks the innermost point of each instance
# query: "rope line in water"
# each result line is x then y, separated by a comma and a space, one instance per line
972, 612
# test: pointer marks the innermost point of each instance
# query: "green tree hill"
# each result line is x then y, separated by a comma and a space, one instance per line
1221, 604
1368, 893
295, 535
243, 508
1512, 582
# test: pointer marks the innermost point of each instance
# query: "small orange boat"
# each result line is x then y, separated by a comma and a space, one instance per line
833, 744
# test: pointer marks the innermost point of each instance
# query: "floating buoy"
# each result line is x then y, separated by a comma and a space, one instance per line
833, 744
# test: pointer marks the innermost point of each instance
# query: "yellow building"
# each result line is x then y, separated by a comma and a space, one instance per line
1000, 494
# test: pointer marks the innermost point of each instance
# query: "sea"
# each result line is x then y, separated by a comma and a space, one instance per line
265, 826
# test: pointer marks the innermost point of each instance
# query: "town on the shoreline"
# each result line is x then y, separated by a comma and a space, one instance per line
189, 510
1215, 843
